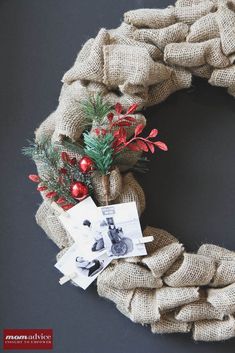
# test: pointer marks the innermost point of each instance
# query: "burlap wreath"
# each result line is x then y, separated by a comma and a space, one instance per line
151, 55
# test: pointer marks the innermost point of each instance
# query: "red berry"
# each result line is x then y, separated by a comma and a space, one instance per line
41, 188
65, 156
60, 200
73, 161
51, 194
35, 178
67, 207
63, 170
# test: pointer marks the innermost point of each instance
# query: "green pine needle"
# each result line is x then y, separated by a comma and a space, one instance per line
95, 109
73, 146
100, 150
43, 152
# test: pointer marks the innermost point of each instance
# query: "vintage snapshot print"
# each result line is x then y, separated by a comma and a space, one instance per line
83, 225
120, 228
86, 270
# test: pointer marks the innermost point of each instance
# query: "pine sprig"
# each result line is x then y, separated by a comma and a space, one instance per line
95, 109
99, 149
73, 146
60, 170
43, 152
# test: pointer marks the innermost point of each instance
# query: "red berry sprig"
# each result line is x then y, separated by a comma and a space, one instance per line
118, 128
65, 188
123, 120
137, 143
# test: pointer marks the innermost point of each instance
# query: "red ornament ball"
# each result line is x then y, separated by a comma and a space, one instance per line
79, 190
86, 165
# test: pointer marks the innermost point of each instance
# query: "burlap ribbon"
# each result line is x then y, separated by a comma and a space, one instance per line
152, 54
174, 291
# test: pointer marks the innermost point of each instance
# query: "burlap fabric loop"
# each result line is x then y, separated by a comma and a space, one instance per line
175, 302
152, 54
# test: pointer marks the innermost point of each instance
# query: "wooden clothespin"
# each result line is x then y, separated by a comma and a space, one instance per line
67, 278
144, 240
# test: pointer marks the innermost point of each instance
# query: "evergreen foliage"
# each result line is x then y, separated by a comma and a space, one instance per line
95, 109
59, 172
100, 150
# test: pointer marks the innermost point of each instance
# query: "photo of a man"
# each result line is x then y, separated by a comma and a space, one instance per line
89, 268
84, 227
94, 234
85, 270
120, 227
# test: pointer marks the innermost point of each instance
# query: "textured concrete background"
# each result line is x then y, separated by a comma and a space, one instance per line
190, 189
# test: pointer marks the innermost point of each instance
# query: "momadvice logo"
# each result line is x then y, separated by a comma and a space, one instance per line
27, 339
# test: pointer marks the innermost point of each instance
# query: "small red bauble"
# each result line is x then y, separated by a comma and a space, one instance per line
86, 165
79, 190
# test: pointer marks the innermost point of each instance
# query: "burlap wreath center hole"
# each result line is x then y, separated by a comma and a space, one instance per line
190, 191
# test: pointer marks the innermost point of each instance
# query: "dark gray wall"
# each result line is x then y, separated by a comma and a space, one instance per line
190, 190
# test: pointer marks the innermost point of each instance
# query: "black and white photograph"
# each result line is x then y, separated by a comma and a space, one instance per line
86, 270
83, 225
121, 231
